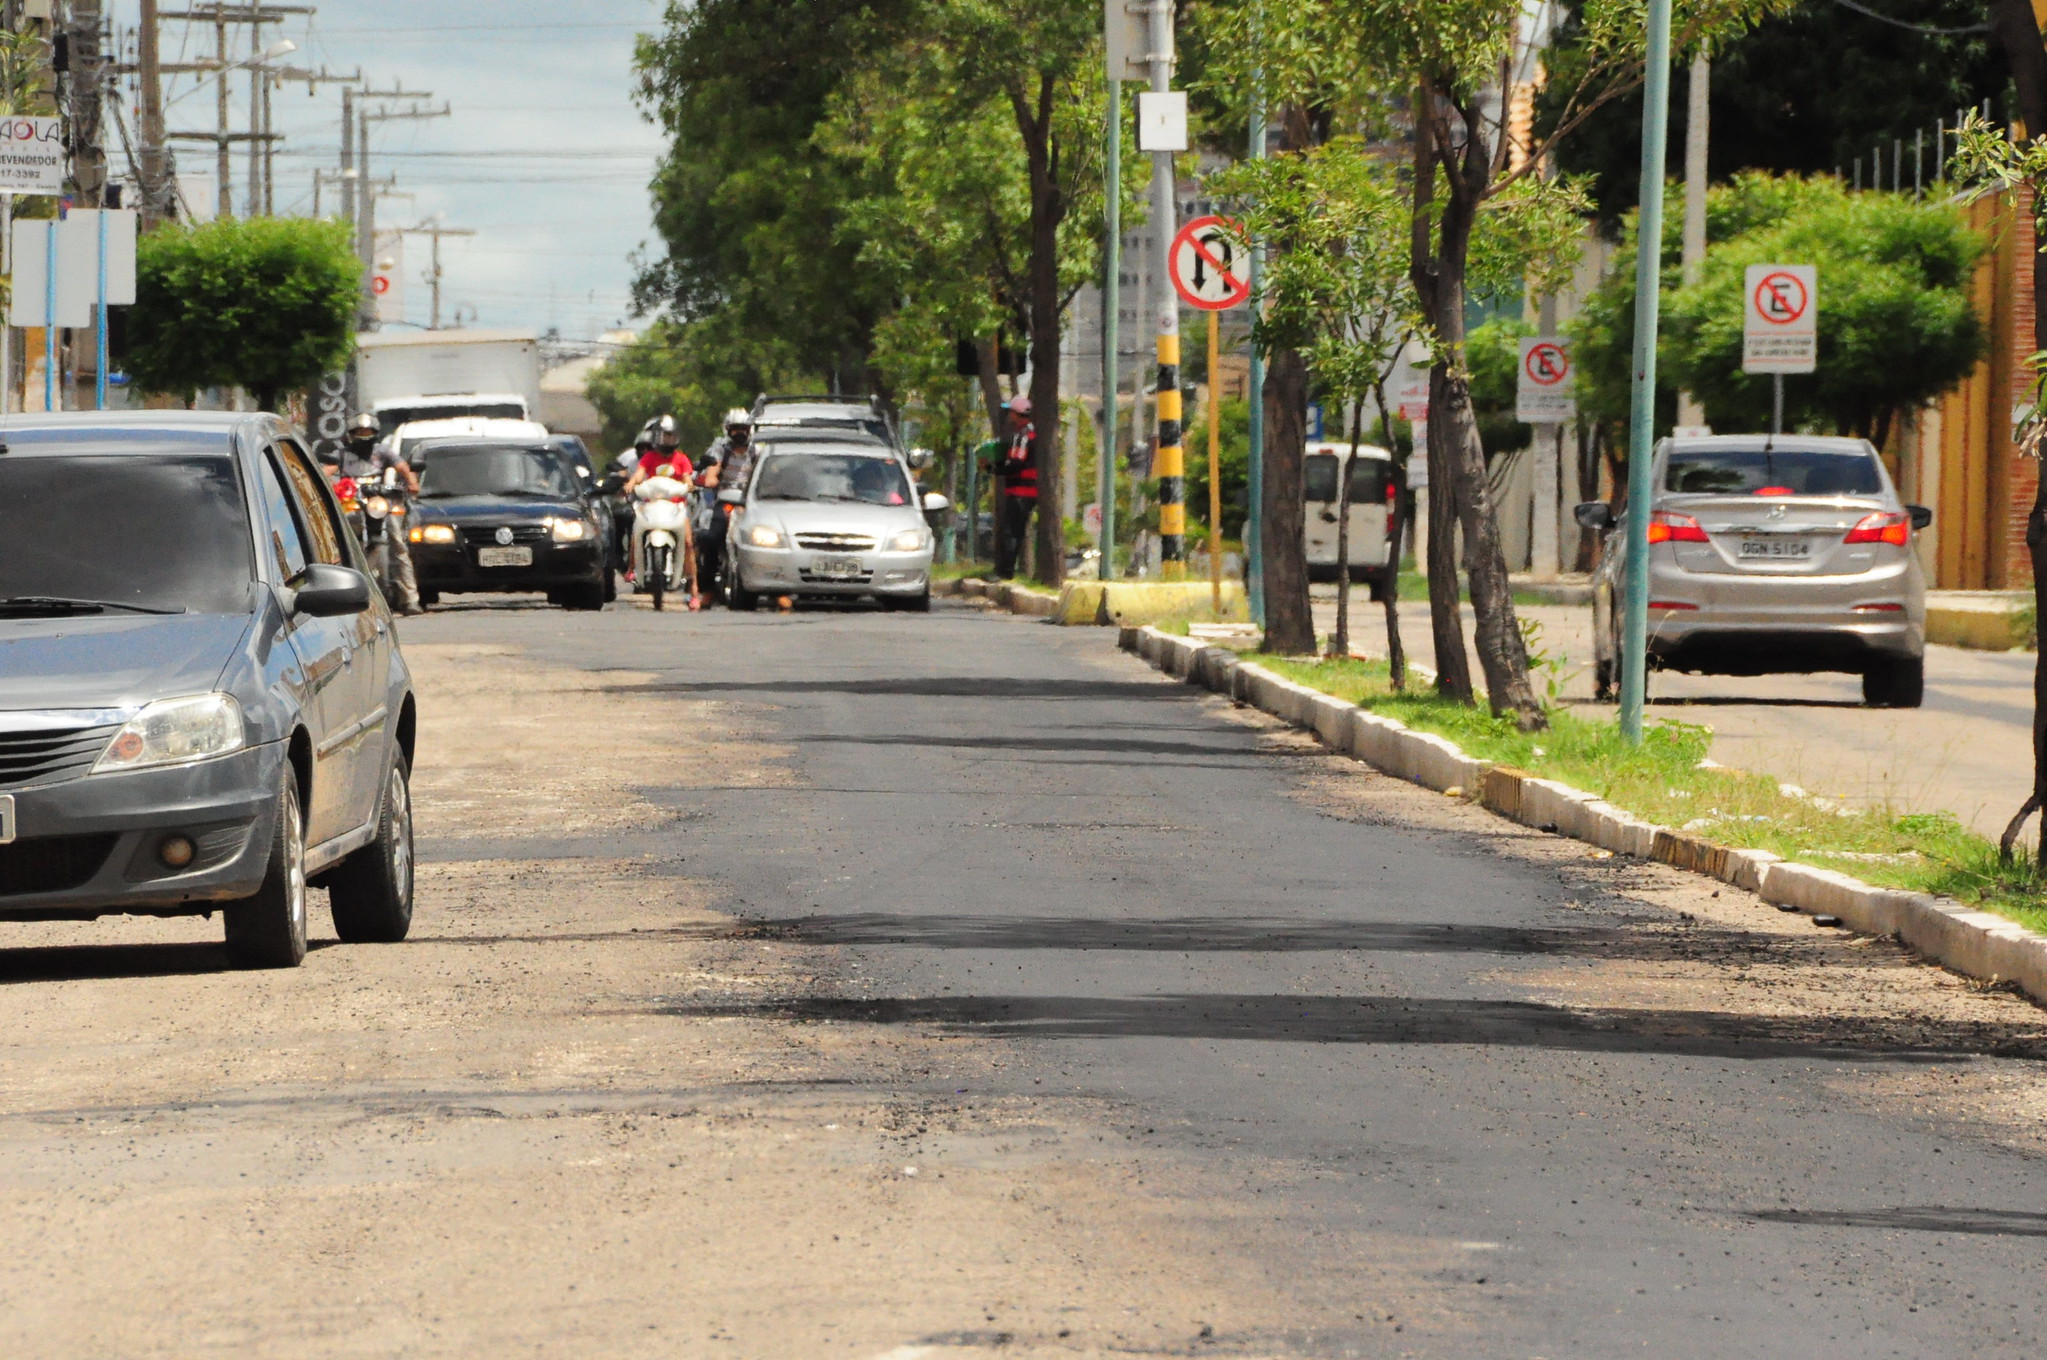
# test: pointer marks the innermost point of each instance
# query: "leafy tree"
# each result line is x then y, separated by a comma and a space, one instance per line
667, 370
1896, 324
267, 305
1494, 351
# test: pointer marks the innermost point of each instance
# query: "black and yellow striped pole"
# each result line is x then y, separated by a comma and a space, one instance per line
1163, 131
1170, 465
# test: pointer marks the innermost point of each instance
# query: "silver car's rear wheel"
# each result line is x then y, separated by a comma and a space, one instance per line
1895, 682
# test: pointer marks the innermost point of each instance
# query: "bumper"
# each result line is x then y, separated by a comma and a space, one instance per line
1768, 625
452, 569
792, 571
88, 847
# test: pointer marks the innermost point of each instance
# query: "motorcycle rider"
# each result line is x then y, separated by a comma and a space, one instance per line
664, 458
364, 460
728, 462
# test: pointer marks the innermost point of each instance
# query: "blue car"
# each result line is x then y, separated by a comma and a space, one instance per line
203, 706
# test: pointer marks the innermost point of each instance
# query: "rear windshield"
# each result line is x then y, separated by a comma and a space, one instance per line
1754, 472
164, 532
481, 470
1368, 478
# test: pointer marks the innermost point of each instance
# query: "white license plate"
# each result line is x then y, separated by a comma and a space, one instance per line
1776, 549
6, 818
846, 567
504, 557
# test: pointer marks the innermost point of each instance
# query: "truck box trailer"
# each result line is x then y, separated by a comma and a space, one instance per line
428, 375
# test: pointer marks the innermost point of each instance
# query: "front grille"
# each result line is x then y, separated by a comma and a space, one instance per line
836, 542
813, 578
50, 753
486, 536
50, 864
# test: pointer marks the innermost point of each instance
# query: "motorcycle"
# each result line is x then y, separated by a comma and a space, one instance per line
376, 512
660, 525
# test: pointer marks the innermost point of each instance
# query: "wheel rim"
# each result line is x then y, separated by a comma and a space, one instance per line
295, 869
401, 835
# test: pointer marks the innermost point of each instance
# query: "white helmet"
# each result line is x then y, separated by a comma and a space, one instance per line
739, 416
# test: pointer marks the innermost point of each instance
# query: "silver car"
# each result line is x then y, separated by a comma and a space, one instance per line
832, 520
1773, 555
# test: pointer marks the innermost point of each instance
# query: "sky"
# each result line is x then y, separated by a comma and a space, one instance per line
545, 154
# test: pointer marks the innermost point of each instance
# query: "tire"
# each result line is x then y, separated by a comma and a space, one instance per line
428, 596
610, 585
657, 574
908, 604
737, 597
268, 930
1895, 682
370, 892
586, 595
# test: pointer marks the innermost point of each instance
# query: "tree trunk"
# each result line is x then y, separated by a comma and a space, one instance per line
1289, 622
1048, 208
1339, 642
2017, 31
1396, 654
1446, 606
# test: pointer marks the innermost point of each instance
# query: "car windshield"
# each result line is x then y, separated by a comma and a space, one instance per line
472, 470
1782, 472
157, 532
832, 477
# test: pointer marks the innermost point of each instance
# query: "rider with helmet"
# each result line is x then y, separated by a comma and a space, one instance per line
364, 459
663, 461
662, 450
727, 463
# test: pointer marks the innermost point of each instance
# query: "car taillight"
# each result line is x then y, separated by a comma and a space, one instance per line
1665, 527
1392, 494
1878, 527
1775, 491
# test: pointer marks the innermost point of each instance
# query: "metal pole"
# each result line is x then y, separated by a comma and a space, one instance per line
99, 386
50, 314
1254, 523
1776, 403
1698, 116
1215, 464
1642, 403
1170, 460
1112, 303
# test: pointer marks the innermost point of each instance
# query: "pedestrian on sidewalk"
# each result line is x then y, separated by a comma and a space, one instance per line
1016, 487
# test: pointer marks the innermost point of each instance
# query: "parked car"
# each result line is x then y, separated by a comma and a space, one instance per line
508, 517
203, 706
832, 521
1374, 500
1773, 555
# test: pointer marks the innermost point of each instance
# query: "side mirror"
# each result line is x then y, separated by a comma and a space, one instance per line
1594, 515
934, 502
731, 496
612, 484
323, 591
1921, 516
918, 459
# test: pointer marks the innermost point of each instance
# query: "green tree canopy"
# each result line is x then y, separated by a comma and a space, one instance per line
266, 304
666, 371
1896, 325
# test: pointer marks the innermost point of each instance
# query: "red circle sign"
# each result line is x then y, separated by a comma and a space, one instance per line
381, 284
1547, 364
1209, 269
1781, 298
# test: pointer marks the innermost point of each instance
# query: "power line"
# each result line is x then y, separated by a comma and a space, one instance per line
1910, 27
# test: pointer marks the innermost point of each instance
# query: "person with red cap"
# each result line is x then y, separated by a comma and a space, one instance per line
1017, 489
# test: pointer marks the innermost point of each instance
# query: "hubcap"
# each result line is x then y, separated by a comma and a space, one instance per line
401, 836
295, 870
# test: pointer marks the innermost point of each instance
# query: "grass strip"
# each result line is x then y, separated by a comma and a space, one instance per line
1663, 781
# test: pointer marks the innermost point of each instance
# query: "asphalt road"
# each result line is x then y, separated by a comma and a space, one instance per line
898, 987
1349, 1029
1967, 750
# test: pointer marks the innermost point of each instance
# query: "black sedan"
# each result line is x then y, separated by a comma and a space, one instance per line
202, 702
507, 518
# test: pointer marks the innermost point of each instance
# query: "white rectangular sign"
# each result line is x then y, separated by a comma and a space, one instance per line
1543, 392
120, 247
1162, 121
1780, 330
31, 155
76, 245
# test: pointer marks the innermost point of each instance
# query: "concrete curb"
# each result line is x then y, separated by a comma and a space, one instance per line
1975, 943
1017, 599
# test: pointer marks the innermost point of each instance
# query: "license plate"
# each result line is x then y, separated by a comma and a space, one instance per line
836, 566
1776, 549
6, 818
504, 557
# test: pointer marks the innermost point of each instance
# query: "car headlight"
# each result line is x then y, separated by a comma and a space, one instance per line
761, 536
434, 533
569, 530
909, 540
176, 732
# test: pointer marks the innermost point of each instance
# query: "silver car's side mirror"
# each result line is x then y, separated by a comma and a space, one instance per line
1594, 515
933, 503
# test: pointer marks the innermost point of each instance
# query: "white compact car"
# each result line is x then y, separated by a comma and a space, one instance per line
832, 520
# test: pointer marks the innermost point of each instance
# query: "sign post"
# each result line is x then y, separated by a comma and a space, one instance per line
1543, 398
1780, 326
1210, 272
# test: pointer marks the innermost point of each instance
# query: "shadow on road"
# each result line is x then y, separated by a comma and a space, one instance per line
1405, 1020
927, 687
101, 962
1136, 746
1918, 1218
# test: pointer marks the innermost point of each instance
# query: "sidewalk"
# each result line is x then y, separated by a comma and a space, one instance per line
1967, 751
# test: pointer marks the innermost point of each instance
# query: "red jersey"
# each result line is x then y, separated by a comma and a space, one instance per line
653, 460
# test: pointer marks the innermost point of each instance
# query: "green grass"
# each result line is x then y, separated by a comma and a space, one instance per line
960, 571
1661, 781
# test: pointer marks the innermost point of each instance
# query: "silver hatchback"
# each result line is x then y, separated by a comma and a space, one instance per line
1773, 555
832, 520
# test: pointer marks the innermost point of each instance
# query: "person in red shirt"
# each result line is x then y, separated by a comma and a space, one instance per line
666, 451
1017, 489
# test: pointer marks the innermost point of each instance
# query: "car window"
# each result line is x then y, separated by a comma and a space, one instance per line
1321, 477
488, 470
287, 538
831, 477
163, 531
1767, 472
323, 531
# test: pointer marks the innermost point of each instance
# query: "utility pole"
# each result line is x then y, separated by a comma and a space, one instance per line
1112, 302
435, 232
366, 197
221, 16
1698, 112
1170, 459
86, 82
154, 163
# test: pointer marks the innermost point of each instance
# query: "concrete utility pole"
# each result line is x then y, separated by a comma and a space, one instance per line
223, 16
1698, 115
85, 97
366, 197
1170, 461
435, 232
153, 162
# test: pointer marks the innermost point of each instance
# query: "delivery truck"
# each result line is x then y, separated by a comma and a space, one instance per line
430, 375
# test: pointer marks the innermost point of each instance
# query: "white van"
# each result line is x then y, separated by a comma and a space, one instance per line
1374, 497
